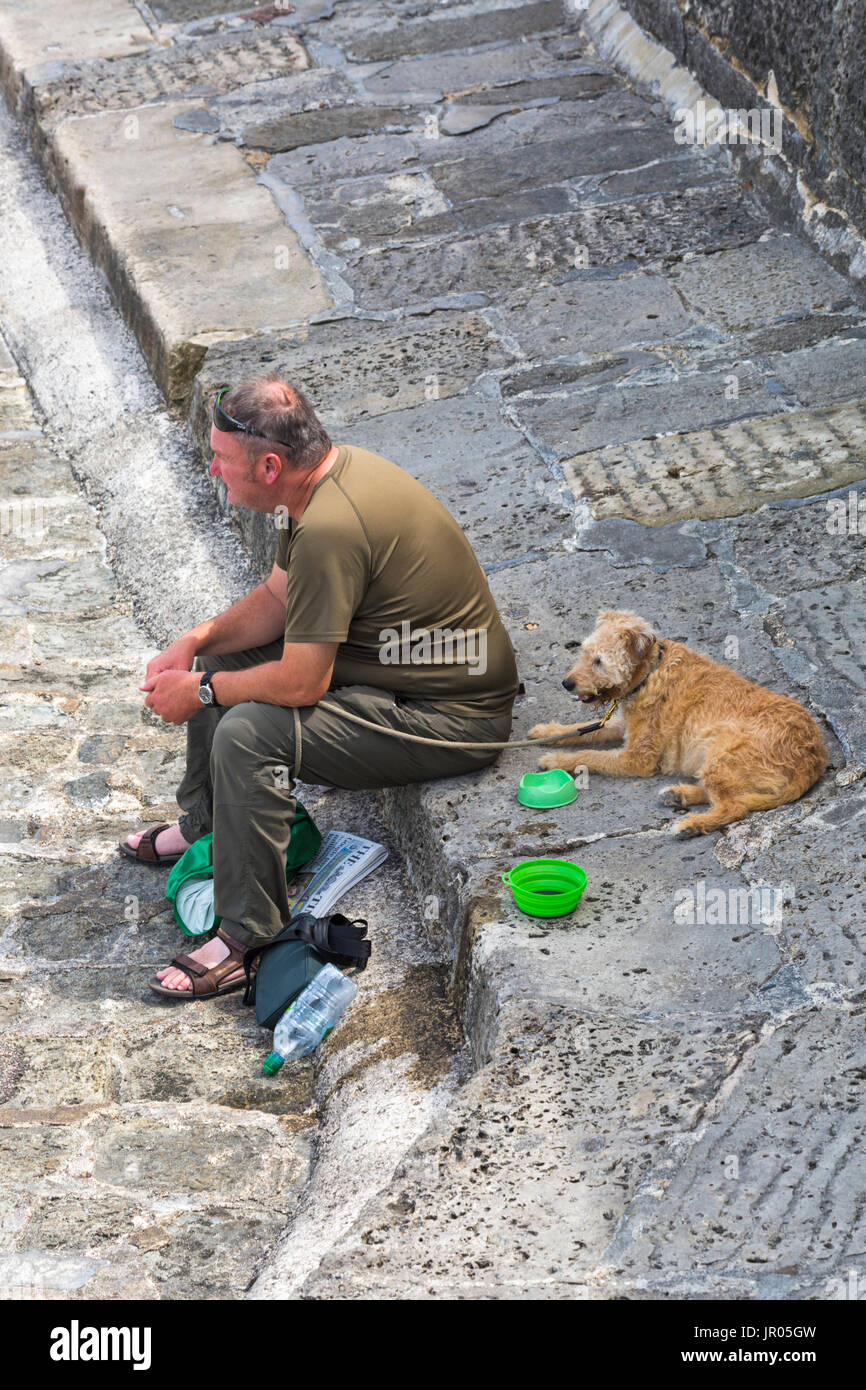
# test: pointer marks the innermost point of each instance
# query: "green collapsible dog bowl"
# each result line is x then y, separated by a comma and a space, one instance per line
547, 789
546, 887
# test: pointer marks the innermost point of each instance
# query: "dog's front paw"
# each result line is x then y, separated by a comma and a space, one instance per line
544, 730
686, 831
671, 797
549, 761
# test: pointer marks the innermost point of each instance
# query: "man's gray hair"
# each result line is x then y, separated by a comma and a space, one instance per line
281, 414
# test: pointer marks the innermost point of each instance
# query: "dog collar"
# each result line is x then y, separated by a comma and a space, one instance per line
600, 723
661, 654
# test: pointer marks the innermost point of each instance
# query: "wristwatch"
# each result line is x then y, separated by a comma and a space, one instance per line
206, 691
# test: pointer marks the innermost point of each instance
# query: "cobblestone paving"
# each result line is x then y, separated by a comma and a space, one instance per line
634, 388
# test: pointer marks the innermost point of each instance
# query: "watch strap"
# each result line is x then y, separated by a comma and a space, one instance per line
207, 679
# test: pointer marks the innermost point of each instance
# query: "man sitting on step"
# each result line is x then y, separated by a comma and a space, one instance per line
376, 603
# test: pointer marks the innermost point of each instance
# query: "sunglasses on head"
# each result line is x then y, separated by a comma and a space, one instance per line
229, 425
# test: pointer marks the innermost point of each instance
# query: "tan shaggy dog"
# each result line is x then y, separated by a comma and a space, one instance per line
749, 748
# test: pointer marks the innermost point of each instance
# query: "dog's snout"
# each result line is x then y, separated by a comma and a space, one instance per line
568, 683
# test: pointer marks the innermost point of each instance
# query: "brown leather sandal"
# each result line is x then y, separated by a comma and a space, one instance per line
206, 978
146, 852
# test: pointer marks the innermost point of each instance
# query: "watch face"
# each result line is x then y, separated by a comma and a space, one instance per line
205, 694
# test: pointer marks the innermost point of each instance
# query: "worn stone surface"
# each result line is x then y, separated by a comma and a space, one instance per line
719, 472
634, 389
443, 32
758, 1188
816, 69
657, 231
574, 422
215, 64
595, 316
772, 280
32, 35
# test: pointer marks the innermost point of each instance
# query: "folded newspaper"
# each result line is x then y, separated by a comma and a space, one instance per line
340, 862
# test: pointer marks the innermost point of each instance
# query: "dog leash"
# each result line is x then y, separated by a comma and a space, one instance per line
447, 743
575, 732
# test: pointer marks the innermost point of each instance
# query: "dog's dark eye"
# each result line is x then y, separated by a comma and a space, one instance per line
596, 661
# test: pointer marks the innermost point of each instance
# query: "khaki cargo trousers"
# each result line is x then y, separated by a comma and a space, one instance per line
242, 763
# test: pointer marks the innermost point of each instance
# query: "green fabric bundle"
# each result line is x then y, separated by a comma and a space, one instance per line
190, 884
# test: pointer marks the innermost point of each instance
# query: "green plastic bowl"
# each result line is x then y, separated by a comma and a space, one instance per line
546, 887
546, 789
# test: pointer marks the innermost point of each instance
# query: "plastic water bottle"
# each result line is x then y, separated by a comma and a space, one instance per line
310, 1018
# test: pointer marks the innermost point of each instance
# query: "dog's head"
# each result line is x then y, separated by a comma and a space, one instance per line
612, 659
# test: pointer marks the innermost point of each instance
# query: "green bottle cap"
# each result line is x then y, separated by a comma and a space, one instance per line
272, 1064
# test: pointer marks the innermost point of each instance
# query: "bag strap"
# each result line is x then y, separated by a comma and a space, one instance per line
336, 936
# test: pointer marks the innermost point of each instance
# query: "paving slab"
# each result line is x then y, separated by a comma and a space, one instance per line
150, 1252
823, 929
776, 278
439, 33
593, 316
432, 78
518, 126
586, 82
572, 422
785, 549
214, 64
168, 214
827, 659
289, 131
29, 468
380, 210
492, 176
657, 230
821, 375
32, 35
724, 471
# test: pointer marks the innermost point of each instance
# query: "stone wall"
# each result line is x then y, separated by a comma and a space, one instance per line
809, 58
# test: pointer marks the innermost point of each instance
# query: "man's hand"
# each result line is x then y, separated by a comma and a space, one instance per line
178, 657
173, 695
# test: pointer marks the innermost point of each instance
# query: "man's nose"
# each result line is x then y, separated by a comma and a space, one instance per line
568, 683
214, 468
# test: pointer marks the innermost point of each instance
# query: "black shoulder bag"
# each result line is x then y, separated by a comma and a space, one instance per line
291, 960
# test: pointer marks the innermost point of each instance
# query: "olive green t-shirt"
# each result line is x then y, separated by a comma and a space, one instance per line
377, 564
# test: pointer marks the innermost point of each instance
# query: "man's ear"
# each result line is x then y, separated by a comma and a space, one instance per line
273, 467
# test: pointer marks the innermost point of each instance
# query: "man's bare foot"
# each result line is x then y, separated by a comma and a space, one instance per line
167, 841
211, 953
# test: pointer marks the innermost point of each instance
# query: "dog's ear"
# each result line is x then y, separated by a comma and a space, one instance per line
640, 641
